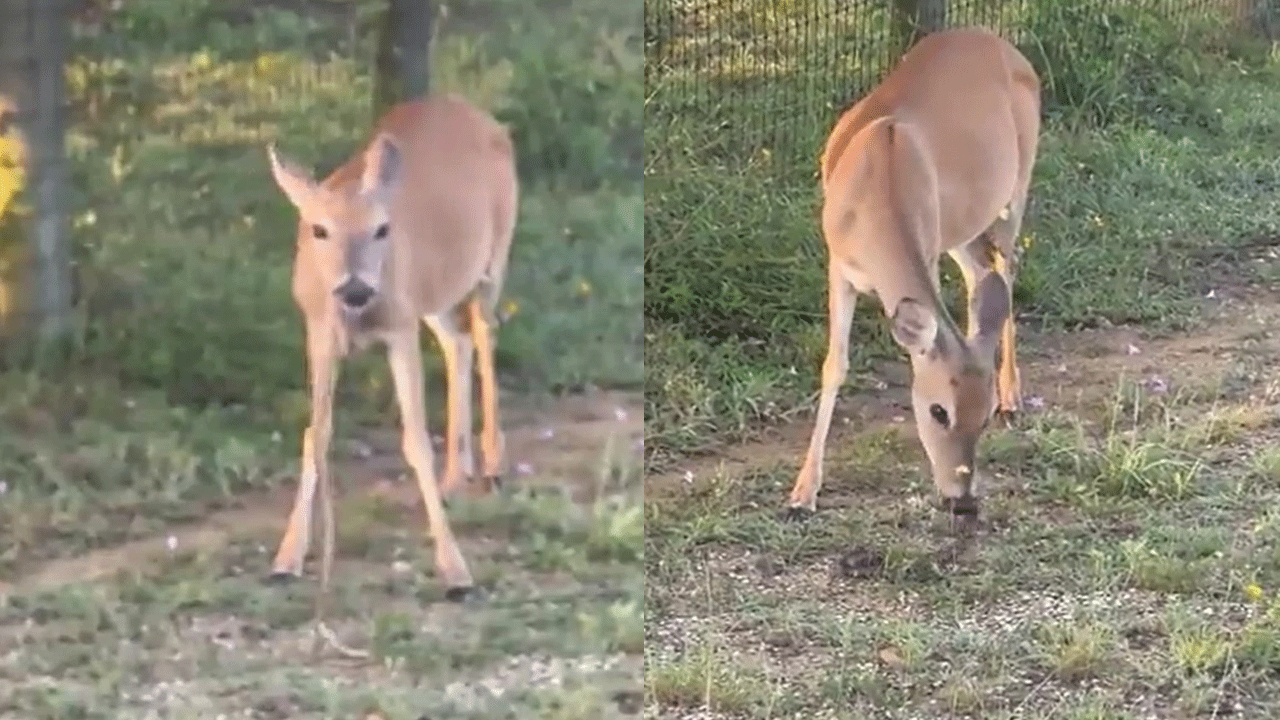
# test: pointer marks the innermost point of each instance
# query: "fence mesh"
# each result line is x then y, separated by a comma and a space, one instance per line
182, 245
768, 72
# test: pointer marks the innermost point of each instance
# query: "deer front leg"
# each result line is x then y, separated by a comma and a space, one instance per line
841, 301
987, 254
406, 372
457, 351
322, 363
1004, 246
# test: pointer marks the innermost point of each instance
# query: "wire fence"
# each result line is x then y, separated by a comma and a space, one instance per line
769, 73
162, 240
125, 118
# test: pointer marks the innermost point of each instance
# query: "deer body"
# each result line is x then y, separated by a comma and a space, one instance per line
936, 160
415, 229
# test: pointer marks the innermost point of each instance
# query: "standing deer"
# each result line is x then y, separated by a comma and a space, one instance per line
937, 158
417, 227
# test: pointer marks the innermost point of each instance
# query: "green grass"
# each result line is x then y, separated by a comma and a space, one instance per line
1125, 566
194, 116
1127, 563
557, 633
180, 410
1130, 221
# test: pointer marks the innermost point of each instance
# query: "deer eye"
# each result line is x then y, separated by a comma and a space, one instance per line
939, 415
319, 232
381, 232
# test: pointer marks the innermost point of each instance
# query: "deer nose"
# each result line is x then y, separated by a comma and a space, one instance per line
354, 293
966, 503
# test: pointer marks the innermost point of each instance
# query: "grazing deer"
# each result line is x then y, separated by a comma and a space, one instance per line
937, 158
417, 227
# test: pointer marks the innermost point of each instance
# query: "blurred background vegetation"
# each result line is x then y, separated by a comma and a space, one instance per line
182, 367
1157, 160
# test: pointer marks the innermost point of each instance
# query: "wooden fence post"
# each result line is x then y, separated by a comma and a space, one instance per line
35, 38
913, 19
403, 66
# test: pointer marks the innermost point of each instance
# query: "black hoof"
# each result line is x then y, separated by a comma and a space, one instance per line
1007, 418
797, 514
459, 594
280, 578
493, 483
964, 506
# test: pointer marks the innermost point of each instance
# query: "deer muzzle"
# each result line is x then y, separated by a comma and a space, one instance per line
354, 293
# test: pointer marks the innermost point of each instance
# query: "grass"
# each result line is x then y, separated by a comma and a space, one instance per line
210, 111
1126, 566
1195, 211
197, 632
735, 287
146, 480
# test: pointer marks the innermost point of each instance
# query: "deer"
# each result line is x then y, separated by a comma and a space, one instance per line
936, 159
414, 228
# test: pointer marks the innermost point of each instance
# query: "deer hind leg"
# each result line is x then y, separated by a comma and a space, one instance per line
483, 323
1004, 236
841, 301
322, 362
406, 371
996, 251
1008, 381
458, 352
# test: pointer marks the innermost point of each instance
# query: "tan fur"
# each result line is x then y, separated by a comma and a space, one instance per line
440, 173
936, 159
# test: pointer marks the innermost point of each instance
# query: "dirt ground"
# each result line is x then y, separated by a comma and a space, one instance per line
183, 625
1123, 568
563, 439
1059, 369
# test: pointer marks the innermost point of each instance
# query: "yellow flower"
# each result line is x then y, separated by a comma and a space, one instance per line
13, 153
584, 288
510, 308
1253, 592
202, 60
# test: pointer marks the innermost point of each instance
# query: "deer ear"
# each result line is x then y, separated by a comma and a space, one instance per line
297, 184
992, 308
914, 326
382, 164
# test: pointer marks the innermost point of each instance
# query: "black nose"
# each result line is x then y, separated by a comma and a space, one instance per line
354, 293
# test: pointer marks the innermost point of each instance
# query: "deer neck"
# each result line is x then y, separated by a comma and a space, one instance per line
913, 276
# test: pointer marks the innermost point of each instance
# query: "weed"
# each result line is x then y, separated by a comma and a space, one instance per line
1075, 652
705, 680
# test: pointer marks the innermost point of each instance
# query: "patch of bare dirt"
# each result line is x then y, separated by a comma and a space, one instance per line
1071, 369
563, 440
